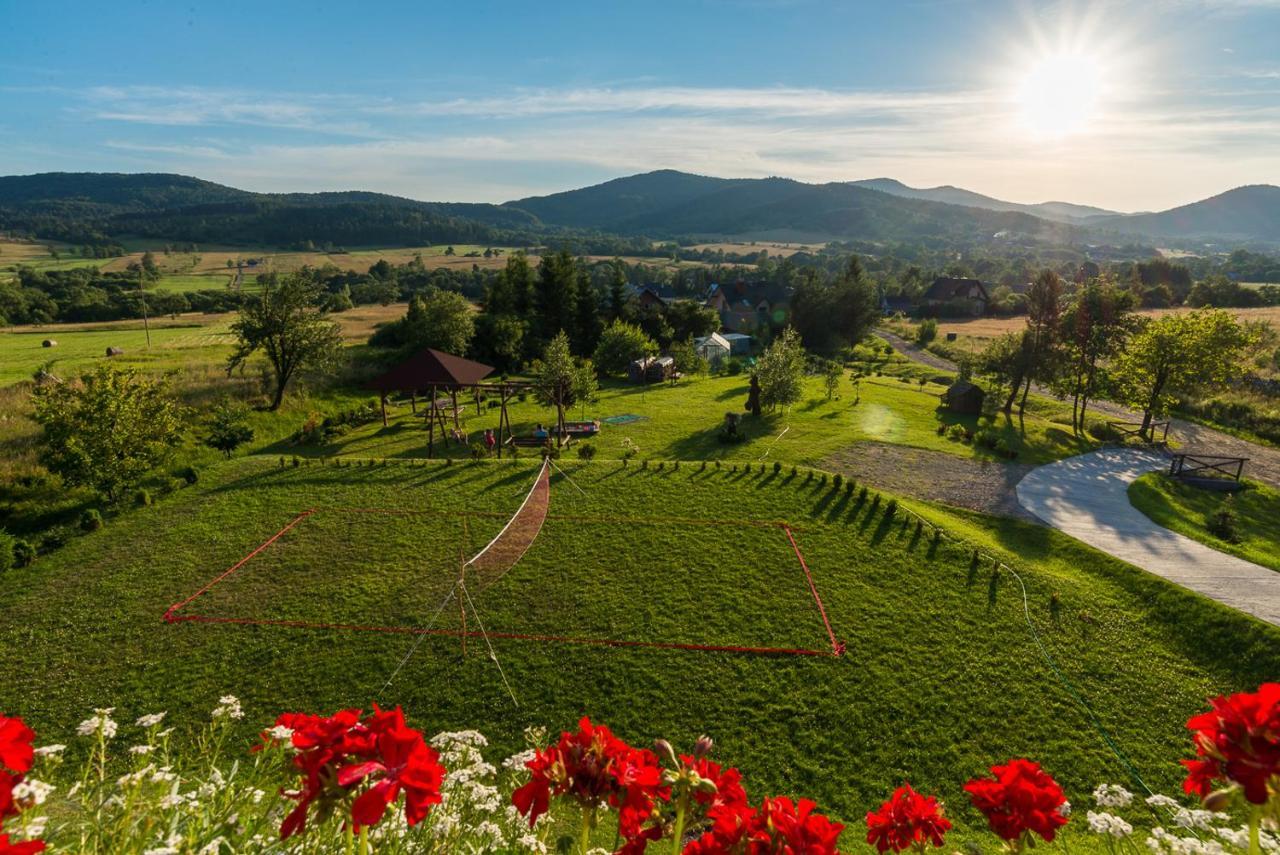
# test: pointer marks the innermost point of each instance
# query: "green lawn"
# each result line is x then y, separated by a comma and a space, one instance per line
1186, 509
683, 422
941, 677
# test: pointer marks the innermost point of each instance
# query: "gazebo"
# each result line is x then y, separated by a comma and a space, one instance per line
434, 371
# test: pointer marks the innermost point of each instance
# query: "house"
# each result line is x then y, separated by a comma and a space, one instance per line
651, 369
949, 295
654, 296
964, 398
747, 308
713, 348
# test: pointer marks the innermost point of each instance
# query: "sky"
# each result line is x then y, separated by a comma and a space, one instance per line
1128, 104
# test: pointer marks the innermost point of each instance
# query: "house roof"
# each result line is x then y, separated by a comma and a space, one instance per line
430, 367
952, 288
714, 339
751, 294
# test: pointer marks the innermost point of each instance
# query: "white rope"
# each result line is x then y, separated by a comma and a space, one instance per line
492, 653
566, 477
775, 442
514, 517
417, 641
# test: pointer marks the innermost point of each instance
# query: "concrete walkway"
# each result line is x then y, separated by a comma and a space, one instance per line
1087, 497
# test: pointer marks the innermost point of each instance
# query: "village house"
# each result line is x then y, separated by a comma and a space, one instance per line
748, 308
950, 295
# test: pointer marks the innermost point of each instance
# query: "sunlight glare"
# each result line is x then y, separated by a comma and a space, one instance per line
1060, 94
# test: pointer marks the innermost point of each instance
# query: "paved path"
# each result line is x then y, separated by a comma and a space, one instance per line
1087, 497
1264, 460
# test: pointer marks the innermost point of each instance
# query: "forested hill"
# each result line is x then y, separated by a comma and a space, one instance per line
1250, 213
669, 203
92, 207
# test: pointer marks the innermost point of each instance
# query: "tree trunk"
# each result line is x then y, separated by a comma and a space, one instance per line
1022, 405
279, 396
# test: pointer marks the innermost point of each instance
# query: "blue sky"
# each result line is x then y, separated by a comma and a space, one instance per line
1125, 104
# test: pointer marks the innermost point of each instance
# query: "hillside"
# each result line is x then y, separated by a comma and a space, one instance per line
667, 204
1066, 212
1250, 213
88, 207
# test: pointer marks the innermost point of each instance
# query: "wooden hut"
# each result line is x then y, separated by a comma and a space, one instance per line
652, 369
964, 398
431, 372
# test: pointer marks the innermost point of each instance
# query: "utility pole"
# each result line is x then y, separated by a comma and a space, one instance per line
462, 609
142, 290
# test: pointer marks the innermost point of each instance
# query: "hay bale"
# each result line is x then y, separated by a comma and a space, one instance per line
48, 342
115, 351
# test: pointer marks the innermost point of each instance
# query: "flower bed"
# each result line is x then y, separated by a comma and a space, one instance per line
352, 782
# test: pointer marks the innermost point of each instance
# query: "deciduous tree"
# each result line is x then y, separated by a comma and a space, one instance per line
108, 430
780, 370
620, 344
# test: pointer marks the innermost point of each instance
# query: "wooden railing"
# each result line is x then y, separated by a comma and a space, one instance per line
1195, 466
1132, 429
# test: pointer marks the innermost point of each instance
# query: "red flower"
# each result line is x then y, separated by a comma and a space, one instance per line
16, 752
728, 782
338, 753
595, 769
907, 819
7, 807
1022, 798
28, 847
1238, 741
403, 762
779, 826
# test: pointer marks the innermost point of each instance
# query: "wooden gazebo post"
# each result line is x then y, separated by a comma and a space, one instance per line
431, 424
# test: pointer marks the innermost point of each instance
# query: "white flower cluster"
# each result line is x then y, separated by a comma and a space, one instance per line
1112, 796
1164, 843
1109, 824
150, 720
100, 721
29, 793
228, 708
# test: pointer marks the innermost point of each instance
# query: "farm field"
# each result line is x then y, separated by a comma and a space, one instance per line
176, 342
940, 678
776, 248
1186, 509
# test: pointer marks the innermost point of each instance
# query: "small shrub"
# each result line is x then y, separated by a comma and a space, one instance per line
297, 461
955, 433
142, 499
1105, 432
862, 494
282, 461
189, 475
1223, 523
777, 467
808, 476
1005, 450
90, 520
586, 451
822, 480
890, 509
942, 430
479, 451
24, 554
837, 481
659, 466
717, 464
7, 542
848, 487
644, 464
793, 472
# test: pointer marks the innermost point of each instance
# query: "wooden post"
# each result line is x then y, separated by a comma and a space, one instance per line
431, 425
413, 401
383, 398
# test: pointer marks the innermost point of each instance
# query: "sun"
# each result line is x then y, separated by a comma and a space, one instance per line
1060, 94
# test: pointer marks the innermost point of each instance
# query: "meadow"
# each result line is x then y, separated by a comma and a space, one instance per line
1186, 509
941, 677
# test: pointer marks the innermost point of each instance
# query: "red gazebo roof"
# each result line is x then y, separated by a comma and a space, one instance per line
428, 368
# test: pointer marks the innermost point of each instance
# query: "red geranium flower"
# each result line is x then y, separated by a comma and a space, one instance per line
1021, 798
595, 769
16, 752
403, 762
778, 826
27, 847
734, 828
798, 828
7, 782
907, 819
1237, 741
338, 753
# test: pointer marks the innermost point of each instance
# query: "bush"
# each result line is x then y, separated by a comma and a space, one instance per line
733, 367
777, 467
142, 499
955, 433
890, 509
90, 520
1223, 523
862, 494
478, 451
1005, 450
1105, 432
24, 554
848, 487
189, 475
586, 451
837, 481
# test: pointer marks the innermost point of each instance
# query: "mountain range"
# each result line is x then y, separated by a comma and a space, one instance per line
662, 204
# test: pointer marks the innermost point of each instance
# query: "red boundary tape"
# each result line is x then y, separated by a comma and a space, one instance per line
171, 614
837, 647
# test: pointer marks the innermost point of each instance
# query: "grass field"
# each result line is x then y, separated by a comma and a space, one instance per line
941, 676
683, 422
182, 282
1186, 509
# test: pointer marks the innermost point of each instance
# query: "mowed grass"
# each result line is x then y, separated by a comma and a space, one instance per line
683, 423
1186, 509
400, 564
941, 678
183, 282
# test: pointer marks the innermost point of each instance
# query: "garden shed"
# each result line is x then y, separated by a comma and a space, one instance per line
740, 344
965, 398
652, 369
